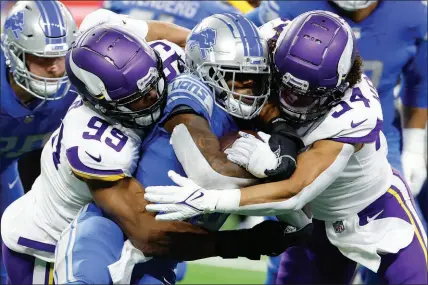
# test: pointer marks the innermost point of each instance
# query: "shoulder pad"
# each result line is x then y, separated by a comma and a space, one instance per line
356, 119
172, 58
188, 90
95, 149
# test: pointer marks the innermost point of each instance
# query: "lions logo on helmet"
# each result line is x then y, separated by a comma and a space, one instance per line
15, 23
205, 40
44, 29
228, 53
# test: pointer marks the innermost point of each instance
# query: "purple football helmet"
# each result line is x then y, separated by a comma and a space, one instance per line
119, 75
312, 59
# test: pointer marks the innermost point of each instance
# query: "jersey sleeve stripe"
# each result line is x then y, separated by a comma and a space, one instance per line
36, 245
371, 137
194, 81
80, 169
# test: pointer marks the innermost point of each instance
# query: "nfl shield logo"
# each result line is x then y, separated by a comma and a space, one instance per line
338, 227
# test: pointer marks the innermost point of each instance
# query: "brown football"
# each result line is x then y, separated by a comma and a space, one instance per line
228, 139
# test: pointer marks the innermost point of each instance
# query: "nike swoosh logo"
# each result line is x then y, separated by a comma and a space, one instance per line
374, 217
354, 125
200, 195
11, 185
97, 159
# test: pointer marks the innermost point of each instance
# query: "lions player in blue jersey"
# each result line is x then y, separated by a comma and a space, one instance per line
35, 91
391, 38
233, 78
122, 199
183, 13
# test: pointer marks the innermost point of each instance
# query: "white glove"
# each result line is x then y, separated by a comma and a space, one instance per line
253, 154
180, 202
413, 158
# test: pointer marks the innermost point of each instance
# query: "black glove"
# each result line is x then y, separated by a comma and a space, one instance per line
285, 143
267, 238
275, 237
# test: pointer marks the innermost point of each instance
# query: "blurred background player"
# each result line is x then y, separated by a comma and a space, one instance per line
35, 92
391, 38
183, 13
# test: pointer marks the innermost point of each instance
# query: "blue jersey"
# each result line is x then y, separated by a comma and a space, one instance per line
392, 41
158, 156
24, 129
183, 13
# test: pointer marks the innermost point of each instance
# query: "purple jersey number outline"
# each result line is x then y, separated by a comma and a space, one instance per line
100, 126
357, 96
170, 59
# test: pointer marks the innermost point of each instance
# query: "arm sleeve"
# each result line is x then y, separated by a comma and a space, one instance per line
415, 71
415, 79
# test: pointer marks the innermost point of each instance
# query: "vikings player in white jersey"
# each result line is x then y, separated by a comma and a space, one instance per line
95, 142
363, 211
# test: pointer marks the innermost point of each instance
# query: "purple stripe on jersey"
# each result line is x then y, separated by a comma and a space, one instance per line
36, 244
77, 164
373, 136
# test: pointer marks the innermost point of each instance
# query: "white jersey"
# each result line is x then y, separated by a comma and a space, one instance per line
368, 175
86, 146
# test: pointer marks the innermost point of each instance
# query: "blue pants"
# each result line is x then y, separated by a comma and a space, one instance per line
93, 242
10, 190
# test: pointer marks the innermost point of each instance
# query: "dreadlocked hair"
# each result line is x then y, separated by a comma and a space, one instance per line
354, 75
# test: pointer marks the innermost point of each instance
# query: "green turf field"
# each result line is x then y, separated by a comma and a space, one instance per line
228, 271
205, 274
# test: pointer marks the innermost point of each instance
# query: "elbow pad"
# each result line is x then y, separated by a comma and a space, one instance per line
196, 166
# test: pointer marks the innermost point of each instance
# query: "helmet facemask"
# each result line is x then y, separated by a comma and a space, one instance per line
300, 105
120, 111
40, 87
244, 106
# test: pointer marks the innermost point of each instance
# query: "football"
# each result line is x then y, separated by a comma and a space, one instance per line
227, 140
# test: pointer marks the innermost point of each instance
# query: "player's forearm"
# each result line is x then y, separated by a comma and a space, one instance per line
316, 170
414, 118
124, 203
176, 240
206, 143
167, 31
